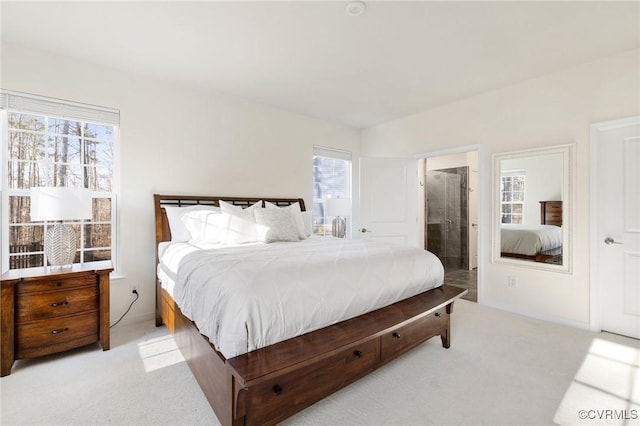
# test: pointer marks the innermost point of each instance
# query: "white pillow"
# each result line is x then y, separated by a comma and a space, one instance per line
307, 218
241, 223
206, 225
275, 225
179, 232
296, 215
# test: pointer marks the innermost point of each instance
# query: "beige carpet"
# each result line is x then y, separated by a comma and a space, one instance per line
501, 369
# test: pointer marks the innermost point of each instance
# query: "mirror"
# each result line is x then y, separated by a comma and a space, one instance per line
531, 209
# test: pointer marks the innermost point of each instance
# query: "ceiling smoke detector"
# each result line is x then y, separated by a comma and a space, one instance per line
355, 8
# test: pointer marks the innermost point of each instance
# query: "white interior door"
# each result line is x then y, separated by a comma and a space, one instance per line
389, 200
616, 148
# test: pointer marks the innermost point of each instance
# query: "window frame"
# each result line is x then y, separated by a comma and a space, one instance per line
10, 102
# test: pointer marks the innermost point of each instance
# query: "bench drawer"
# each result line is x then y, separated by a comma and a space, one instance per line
410, 335
278, 398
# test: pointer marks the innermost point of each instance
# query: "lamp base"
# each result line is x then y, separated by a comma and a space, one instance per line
60, 245
339, 227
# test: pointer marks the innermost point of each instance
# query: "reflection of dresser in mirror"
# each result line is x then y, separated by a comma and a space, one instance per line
551, 213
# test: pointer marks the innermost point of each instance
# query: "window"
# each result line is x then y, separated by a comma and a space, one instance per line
331, 179
47, 142
512, 196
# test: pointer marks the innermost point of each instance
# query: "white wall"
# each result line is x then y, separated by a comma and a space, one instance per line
447, 161
551, 110
179, 140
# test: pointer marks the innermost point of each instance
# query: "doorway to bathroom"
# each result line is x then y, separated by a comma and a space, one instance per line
451, 216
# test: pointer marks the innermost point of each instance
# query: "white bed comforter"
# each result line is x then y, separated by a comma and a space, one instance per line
529, 239
249, 296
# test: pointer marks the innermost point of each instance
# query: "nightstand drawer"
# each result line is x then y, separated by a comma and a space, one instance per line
27, 286
37, 306
49, 336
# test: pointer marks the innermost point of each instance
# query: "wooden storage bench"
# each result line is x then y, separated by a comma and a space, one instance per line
268, 385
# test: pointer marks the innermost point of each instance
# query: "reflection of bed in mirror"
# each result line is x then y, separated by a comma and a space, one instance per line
540, 243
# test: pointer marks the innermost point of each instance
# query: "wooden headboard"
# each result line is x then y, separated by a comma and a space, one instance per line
163, 233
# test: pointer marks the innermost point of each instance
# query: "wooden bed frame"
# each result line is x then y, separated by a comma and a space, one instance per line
541, 257
268, 385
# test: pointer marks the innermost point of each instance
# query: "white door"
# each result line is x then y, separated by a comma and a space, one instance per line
389, 200
616, 147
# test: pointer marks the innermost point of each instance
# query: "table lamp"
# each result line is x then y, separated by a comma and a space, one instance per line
55, 204
340, 208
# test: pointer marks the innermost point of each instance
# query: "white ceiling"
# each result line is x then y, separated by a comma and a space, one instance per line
397, 59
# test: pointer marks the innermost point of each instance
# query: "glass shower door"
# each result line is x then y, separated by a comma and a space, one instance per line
447, 216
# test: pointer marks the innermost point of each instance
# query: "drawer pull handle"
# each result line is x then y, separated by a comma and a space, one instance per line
357, 354
396, 335
59, 284
277, 389
59, 330
56, 304
438, 314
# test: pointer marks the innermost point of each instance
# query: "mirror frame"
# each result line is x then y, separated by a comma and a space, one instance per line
568, 197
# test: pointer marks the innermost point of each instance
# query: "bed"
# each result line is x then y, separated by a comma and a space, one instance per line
534, 242
540, 243
263, 366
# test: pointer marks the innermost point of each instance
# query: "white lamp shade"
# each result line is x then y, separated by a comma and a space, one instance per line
49, 203
338, 207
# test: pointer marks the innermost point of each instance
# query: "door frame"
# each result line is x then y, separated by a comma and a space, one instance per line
484, 202
595, 319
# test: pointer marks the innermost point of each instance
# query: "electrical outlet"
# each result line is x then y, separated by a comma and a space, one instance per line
512, 281
133, 288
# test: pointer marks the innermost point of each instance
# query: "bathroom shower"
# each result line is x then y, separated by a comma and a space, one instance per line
447, 222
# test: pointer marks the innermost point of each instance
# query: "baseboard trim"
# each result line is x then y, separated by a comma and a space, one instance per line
133, 319
552, 319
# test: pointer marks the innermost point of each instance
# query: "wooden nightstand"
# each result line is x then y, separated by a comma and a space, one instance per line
49, 310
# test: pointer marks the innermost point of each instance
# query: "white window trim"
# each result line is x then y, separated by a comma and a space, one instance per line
69, 110
338, 154
4, 197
